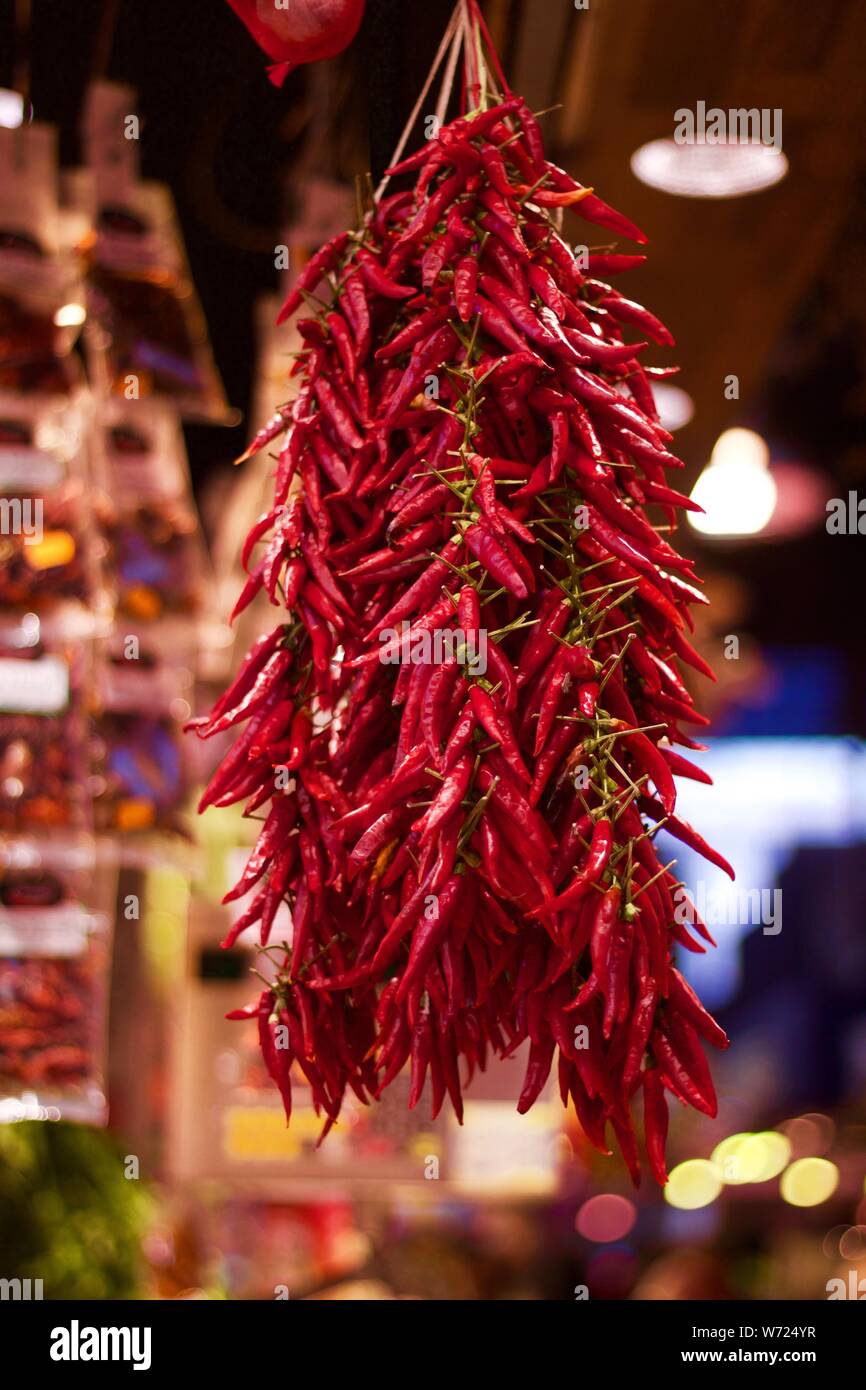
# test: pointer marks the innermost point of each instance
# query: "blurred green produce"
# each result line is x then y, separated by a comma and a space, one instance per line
68, 1216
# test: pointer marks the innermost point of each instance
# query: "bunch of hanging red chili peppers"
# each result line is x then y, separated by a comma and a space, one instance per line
469, 858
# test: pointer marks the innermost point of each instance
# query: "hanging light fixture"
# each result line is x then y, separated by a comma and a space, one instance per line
728, 169
675, 406
736, 489
11, 108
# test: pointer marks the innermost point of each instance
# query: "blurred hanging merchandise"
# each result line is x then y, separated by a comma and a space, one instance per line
303, 31
102, 578
147, 333
39, 272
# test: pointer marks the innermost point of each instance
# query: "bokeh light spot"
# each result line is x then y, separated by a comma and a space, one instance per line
693, 1184
606, 1218
809, 1181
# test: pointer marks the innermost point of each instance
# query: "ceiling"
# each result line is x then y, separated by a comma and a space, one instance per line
727, 275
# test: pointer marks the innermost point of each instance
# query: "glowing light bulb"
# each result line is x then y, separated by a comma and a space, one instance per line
70, 316
740, 446
725, 170
736, 489
11, 109
675, 406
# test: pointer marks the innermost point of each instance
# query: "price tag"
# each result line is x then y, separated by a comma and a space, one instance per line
34, 687
57, 932
31, 469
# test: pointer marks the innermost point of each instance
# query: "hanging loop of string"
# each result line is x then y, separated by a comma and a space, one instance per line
447, 84
466, 32
447, 37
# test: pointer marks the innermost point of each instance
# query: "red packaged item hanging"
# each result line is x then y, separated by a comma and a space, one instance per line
458, 732
54, 973
49, 557
44, 727
41, 296
302, 32
146, 334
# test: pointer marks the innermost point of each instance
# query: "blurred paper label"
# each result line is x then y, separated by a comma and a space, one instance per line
497, 1150
34, 687
30, 469
38, 931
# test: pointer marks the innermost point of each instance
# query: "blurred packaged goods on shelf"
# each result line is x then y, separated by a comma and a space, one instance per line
45, 677
55, 960
146, 332
50, 552
41, 292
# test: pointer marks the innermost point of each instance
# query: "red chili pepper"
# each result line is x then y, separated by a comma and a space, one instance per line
496, 560
684, 998
615, 987
494, 720
378, 280
518, 812
496, 171
266, 680
429, 933
428, 356
570, 662
343, 341
465, 281
522, 315
435, 703
640, 1029
280, 820
626, 311
338, 415
649, 758
447, 799
420, 328
560, 743
500, 670
358, 313
315, 269
553, 616
432, 500
655, 1118
596, 859
687, 835
422, 1046
419, 593
509, 266
460, 737
429, 212
676, 1076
